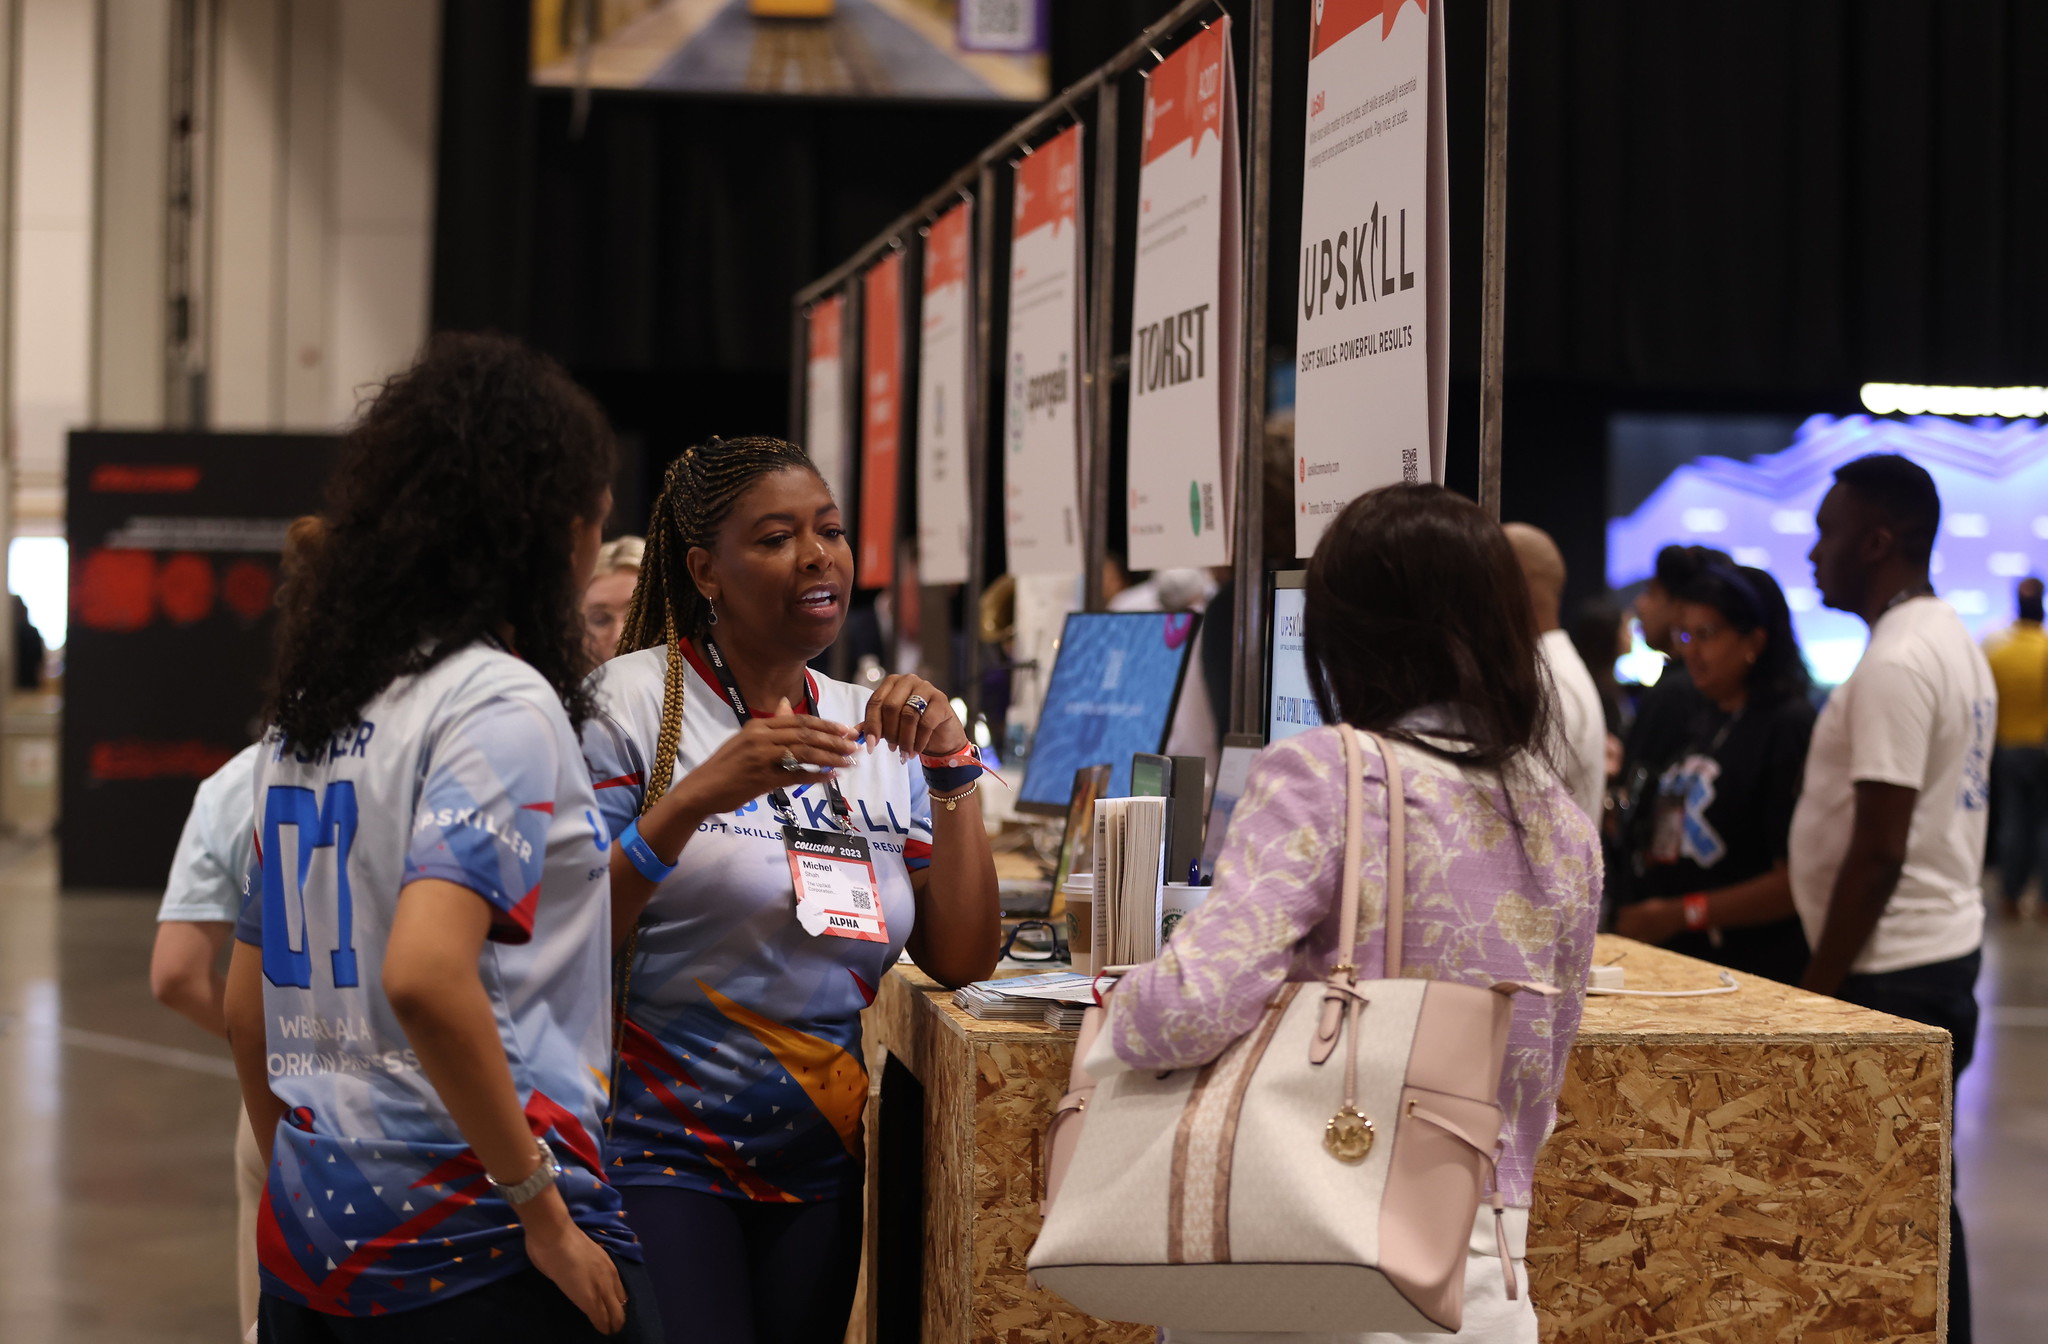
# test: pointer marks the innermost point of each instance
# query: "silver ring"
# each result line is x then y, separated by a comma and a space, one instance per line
918, 703
789, 760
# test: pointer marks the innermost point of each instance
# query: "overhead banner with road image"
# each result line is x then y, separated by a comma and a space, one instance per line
1184, 426
1372, 346
944, 510
1042, 429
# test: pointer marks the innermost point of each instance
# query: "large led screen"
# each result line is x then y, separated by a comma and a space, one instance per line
1750, 485
956, 50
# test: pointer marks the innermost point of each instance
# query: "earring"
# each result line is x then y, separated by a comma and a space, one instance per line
712, 619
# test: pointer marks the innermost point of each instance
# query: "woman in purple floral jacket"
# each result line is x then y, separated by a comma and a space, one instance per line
1418, 628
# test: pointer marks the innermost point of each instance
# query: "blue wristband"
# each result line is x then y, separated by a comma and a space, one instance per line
641, 854
947, 778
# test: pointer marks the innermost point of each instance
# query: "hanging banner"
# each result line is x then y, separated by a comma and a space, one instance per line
1042, 428
1372, 378
943, 505
881, 420
1184, 358
825, 393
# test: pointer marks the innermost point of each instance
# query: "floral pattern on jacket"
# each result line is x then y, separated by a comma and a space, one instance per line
1503, 884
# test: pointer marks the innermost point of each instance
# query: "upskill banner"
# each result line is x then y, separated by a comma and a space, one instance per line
825, 393
942, 498
1184, 361
1043, 449
881, 420
1372, 365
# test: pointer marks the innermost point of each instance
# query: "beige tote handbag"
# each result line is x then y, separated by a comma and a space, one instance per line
1280, 1187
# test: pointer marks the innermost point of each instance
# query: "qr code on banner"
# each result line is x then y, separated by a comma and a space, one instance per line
1001, 25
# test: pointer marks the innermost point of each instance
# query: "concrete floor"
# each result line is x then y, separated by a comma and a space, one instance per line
116, 1130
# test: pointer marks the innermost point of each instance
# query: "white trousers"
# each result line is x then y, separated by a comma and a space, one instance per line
1490, 1318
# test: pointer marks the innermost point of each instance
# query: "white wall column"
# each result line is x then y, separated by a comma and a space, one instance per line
325, 124
53, 248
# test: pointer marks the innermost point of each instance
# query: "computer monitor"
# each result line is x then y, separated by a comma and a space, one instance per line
1290, 703
1115, 682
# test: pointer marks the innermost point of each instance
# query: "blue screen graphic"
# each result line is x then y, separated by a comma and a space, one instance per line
1112, 694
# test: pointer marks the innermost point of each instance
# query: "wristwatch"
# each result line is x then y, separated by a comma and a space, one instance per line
543, 1176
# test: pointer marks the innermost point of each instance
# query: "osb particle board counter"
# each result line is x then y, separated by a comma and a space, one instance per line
1768, 1165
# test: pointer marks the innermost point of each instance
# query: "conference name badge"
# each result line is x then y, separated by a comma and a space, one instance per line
836, 893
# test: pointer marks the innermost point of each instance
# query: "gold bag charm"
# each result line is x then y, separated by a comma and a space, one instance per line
1348, 1136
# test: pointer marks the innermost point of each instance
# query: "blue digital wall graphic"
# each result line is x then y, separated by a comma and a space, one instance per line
1112, 694
1993, 478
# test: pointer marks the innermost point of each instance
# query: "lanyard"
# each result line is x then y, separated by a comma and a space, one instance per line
785, 811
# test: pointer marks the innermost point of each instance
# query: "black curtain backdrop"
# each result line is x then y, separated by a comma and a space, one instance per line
1771, 197
1753, 209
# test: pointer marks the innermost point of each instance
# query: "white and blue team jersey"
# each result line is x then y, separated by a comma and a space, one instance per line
470, 773
205, 885
741, 1071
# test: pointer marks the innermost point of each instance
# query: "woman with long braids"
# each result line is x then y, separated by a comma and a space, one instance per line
417, 999
781, 838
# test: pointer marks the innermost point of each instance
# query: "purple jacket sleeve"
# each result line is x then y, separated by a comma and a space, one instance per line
1275, 882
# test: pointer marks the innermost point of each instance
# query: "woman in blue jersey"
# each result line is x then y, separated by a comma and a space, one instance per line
782, 837
418, 998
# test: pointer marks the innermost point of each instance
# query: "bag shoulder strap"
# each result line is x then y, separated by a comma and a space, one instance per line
1354, 839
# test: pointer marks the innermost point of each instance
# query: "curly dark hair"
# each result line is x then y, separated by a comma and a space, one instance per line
449, 519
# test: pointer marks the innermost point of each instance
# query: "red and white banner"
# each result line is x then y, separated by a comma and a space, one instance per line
1184, 423
1042, 428
943, 507
825, 393
881, 420
1372, 369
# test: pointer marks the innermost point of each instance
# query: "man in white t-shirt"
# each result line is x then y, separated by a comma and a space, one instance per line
1887, 848
1578, 725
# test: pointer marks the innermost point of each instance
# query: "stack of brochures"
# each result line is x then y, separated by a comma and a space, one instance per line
1024, 998
1065, 1016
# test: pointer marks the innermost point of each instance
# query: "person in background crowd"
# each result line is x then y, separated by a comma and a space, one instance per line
419, 1018
1710, 874
28, 649
2018, 657
609, 593
1416, 629
1578, 745
201, 902
735, 1131
1888, 838
1600, 633
1664, 712
195, 920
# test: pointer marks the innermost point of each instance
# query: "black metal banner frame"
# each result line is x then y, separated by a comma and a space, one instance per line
982, 181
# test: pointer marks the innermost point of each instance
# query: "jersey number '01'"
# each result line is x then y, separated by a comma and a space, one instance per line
330, 823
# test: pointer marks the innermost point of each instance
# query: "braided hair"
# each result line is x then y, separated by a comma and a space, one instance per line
697, 496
